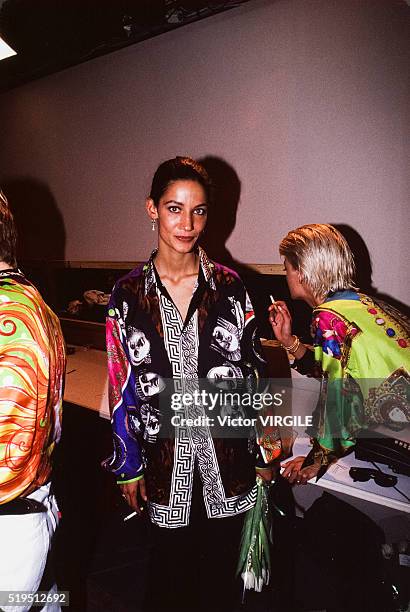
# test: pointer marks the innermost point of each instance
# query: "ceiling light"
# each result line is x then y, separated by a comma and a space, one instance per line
5, 50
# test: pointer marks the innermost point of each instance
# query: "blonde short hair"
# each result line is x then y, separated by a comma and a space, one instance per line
322, 256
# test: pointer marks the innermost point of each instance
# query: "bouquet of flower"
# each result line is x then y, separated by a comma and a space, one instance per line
254, 563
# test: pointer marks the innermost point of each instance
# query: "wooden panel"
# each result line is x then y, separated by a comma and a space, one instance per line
274, 269
84, 333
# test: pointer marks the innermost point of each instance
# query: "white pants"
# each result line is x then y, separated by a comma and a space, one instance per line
24, 545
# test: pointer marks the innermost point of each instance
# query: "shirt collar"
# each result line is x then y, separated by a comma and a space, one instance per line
344, 294
206, 265
208, 268
149, 272
11, 272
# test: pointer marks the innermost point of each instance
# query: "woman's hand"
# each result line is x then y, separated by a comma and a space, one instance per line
267, 474
294, 473
133, 493
281, 322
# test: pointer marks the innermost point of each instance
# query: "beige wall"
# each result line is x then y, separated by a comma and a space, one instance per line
308, 101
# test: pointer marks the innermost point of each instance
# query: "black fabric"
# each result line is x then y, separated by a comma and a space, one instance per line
306, 364
193, 568
22, 505
338, 554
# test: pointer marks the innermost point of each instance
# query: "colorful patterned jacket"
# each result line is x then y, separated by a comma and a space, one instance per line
32, 365
363, 350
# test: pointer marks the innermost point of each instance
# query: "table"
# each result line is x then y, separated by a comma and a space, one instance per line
87, 380
87, 386
386, 506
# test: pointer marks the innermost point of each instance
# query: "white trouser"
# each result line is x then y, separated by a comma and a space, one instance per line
24, 545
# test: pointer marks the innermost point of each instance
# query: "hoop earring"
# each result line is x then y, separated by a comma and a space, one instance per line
153, 224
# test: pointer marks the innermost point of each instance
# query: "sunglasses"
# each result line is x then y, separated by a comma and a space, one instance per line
380, 478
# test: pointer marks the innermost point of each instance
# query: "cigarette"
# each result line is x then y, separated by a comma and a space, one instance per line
129, 516
272, 299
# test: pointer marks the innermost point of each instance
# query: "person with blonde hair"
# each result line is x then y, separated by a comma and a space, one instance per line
361, 346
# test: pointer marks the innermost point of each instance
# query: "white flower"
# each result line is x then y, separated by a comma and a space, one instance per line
248, 578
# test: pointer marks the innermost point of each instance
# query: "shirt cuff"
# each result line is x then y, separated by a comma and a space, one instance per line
131, 479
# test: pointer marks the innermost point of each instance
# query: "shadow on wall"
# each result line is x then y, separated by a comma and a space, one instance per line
221, 223
226, 192
364, 268
40, 227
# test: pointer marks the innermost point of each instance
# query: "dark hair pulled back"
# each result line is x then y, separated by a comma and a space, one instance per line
179, 169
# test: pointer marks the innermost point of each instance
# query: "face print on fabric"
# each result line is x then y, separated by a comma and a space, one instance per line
134, 422
138, 346
119, 456
125, 309
233, 410
387, 404
149, 384
395, 412
237, 311
255, 346
150, 418
224, 376
225, 340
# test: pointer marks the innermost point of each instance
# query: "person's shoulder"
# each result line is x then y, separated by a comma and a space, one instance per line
16, 288
24, 309
224, 275
132, 280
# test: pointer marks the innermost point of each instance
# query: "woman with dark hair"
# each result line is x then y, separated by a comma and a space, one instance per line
161, 326
361, 347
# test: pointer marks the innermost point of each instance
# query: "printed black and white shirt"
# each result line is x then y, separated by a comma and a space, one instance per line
148, 345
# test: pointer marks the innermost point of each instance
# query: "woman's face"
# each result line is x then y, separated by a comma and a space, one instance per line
181, 214
225, 340
297, 288
293, 280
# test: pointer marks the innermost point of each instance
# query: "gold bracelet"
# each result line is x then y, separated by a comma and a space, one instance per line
293, 347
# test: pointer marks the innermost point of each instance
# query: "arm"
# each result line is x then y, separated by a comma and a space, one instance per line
338, 414
126, 462
281, 322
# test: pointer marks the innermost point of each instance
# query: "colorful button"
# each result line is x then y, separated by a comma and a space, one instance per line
402, 342
390, 332
380, 321
372, 310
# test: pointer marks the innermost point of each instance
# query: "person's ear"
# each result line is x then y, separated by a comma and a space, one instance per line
151, 208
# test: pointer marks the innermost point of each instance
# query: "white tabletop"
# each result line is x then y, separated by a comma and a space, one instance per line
87, 380
337, 479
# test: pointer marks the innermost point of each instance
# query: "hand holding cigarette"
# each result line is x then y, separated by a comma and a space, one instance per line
281, 321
